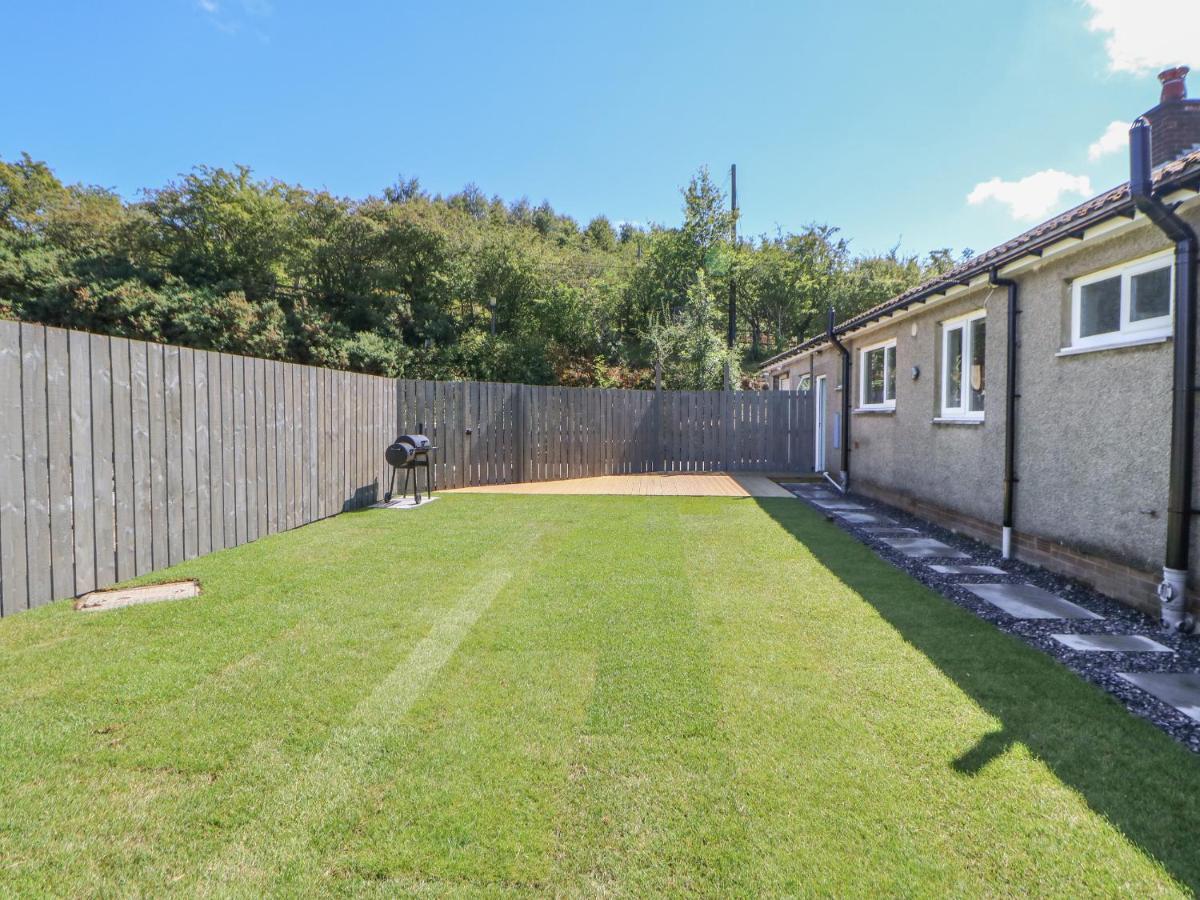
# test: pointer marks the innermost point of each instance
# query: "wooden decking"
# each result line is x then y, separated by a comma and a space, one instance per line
650, 484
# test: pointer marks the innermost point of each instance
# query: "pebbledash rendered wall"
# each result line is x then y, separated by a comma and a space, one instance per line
1092, 440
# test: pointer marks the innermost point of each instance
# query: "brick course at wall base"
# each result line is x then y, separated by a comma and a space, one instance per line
1133, 587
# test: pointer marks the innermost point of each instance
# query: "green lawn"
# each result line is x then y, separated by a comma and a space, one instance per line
575, 696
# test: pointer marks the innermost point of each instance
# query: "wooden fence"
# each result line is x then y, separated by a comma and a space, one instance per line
120, 457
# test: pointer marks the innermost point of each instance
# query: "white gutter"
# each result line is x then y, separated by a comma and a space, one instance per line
1114, 227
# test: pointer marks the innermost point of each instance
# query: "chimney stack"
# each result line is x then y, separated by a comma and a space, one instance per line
1175, 122
1174, 84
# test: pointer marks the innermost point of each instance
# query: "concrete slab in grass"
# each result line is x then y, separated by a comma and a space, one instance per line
1178, 689
98, 601
968, 569
404, 503
1027, 601
923, 548
1111, 643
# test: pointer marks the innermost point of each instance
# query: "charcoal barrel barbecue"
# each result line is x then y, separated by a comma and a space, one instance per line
410, 452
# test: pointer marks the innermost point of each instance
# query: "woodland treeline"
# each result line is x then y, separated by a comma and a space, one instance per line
420, 286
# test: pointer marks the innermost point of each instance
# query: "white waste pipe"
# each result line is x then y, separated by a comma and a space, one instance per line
1173, 594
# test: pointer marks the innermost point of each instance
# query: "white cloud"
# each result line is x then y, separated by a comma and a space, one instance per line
1146, 35
1033, 196
1114, 140
234, 16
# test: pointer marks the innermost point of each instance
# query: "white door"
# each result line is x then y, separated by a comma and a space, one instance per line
819, 437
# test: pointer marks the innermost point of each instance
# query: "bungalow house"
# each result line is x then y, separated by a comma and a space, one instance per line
1040, 397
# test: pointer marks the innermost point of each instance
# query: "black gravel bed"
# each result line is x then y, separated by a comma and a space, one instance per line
1100, 668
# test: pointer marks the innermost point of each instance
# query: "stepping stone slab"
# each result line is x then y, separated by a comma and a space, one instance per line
405, 503
1026, 601
863, 518
1111, 643
968, 569
1178, 689
924, 548
836, 505
97, 601
892, 530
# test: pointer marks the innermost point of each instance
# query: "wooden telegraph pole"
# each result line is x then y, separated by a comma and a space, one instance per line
731, 336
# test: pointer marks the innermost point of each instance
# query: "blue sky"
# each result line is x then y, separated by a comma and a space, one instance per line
881, 118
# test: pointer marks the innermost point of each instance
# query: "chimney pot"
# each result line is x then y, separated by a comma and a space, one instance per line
1174, 86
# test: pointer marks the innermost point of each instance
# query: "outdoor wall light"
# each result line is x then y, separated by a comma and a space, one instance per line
916, 372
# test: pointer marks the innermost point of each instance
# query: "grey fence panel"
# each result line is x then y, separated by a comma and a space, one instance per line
216, 453
238, 400
58, 419
37, 463
14, 577
143, 520
125, 535
173, 417
83, 524
203, 510
126, 456
251, 433
158, 455
187, 374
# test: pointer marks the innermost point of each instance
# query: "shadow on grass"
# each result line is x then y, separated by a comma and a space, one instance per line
1141, 780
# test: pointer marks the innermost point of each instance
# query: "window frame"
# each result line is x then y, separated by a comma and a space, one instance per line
963, 411
887, 403
1129, 330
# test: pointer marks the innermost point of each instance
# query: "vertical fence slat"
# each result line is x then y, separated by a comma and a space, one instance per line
187, 449
58, 418
200, 399
228, 453
37, 460
251, 437
143, 524
173, 407
158, 455
103, 483
216, 451
124, 496
14, 571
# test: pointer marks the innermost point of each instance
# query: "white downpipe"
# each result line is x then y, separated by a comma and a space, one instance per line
829, 478
1006, 542
1173, 594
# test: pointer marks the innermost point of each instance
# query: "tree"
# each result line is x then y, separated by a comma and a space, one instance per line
400, 283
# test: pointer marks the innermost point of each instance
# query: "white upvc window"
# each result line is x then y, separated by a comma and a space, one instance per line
964, 370
1130, 302
783, 381
877, 382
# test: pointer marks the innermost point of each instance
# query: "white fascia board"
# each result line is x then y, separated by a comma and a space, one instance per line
786, 361
920, 306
